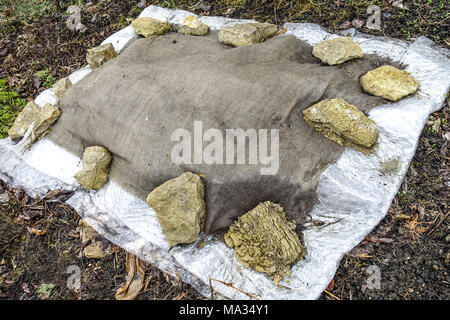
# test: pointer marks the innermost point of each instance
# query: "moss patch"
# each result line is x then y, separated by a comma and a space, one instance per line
10, 105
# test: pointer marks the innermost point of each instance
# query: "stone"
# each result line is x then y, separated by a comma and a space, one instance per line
40, 118
265, 241
337, 51
389, 82
97, 56
193, 26
61, 86
93, 249
47, 116
342, 123
24, 119
246, 34
267, 30
150, 27
180, 207
94, 173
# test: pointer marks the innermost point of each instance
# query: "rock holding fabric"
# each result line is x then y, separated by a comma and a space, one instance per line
61, 86
193, 26
246, 34
26, 117
150, 27
337, 51
389, 82
264, 240
180, 208
47, 116
40, 118
267, 30
94, 173
97, 56
342, 123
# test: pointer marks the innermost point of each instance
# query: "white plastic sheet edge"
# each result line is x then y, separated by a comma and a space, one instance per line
352, 190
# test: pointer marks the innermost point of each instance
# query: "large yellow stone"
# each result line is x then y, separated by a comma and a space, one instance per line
264, 240
342, 123
193, 26
60, 87
48, 115
150, 27
180, 208
25, 118
337, 51
246, 34
94, 173
389, 82
40, 118
97, 56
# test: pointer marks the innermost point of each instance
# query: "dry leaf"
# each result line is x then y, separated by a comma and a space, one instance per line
134, 280
37, 231
331, 285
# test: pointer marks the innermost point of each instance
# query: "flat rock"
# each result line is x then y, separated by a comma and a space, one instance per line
389, 82
193, 26
180, 208
150, 27
61, 86
246, 34
93, 249
94, 173
40, 118
47, 116
337, 51
24, 119
264, 240
342, 123
97, 56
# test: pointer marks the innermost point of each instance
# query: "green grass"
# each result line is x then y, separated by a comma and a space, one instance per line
46, 77
44, 290
10, 105
15, 13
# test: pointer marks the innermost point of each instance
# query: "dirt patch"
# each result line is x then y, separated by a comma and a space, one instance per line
40, 240
410, 248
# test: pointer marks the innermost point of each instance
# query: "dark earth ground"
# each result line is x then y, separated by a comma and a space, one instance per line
39, 238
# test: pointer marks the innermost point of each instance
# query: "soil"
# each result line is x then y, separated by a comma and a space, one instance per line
39, 238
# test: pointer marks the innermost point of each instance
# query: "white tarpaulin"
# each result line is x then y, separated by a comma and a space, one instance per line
353, 192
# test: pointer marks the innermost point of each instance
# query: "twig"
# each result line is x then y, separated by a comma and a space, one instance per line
442, 220
331, 223
331, 295
229, 284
